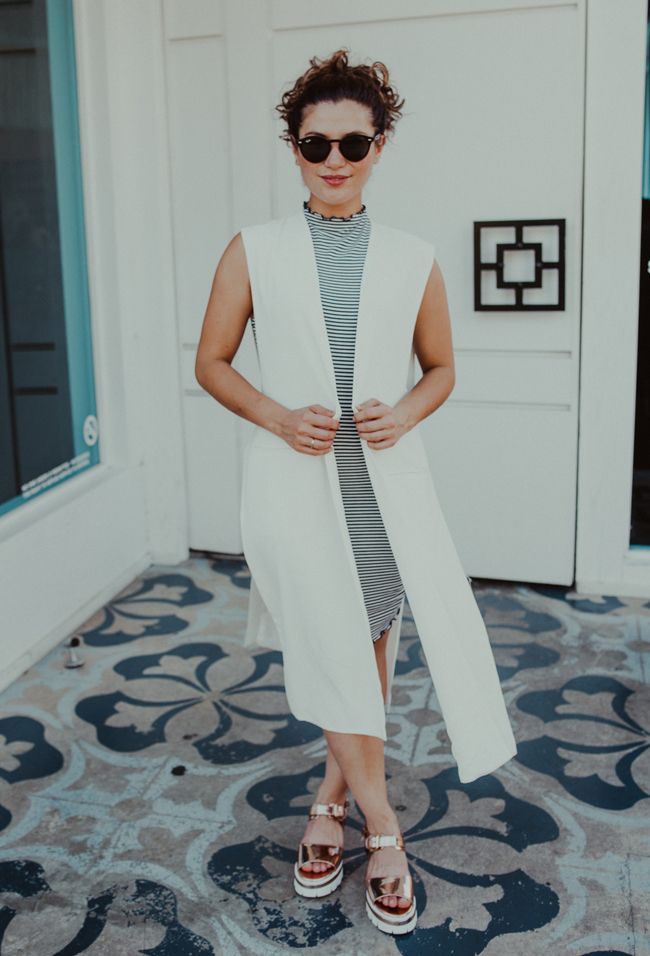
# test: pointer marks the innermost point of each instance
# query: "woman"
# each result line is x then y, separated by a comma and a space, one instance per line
339, 514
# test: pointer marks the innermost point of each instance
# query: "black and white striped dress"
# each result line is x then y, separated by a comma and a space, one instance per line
340, 245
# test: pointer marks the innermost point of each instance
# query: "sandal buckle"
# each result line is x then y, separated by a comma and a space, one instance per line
375, 841
338, 811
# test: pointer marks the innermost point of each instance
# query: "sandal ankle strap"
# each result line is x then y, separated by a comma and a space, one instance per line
375, 841
338, 811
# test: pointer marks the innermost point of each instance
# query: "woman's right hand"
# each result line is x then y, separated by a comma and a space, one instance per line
310, 430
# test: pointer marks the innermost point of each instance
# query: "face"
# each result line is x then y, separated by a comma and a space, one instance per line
334, 120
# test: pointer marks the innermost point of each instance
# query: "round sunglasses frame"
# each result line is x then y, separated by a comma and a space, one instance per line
348, 136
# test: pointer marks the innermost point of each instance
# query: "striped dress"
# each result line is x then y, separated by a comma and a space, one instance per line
340, 245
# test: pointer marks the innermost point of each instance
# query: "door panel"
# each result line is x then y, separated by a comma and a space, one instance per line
492, 129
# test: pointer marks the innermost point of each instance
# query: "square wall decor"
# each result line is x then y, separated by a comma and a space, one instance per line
519, 265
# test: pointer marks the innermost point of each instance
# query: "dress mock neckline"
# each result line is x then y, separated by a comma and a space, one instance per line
360, 213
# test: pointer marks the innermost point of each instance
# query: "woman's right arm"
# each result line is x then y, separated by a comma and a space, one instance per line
229, 308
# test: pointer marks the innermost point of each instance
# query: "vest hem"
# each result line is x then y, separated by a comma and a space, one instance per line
470, 770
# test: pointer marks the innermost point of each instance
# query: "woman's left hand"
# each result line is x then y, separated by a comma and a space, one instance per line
378, 424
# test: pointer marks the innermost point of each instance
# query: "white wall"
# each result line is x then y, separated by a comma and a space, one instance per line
503, 448
66, 553
215, 148
616, 35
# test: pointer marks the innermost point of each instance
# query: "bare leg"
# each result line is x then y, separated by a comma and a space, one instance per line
333, 788
380, 657
359, 760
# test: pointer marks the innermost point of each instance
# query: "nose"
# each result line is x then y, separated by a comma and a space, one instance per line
335, 160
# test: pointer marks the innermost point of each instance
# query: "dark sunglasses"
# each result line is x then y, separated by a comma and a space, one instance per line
354, 147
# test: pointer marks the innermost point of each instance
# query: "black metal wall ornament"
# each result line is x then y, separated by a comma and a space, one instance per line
515, 246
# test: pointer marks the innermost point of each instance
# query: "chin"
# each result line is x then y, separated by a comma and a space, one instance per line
331, 196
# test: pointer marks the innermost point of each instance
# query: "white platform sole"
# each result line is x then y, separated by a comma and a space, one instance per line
387, 925
318, 886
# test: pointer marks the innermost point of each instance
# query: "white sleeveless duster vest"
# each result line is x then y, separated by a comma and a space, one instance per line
305, 597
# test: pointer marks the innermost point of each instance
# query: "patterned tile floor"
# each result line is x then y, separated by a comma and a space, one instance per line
151, 800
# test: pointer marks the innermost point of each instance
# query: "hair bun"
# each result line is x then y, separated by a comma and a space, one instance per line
333, 79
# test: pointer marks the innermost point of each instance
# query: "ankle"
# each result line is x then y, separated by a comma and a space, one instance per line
383, 821
328, 794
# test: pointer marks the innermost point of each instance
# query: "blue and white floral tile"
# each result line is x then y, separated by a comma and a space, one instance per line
151, 801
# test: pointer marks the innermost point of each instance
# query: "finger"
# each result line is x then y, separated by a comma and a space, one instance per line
330, 425
313, 445
321, 420
318, 434
321, 410
379, 434
322, 438
371, 426
378, 445
371, 411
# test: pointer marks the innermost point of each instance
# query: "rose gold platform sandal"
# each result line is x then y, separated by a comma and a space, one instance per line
320, 884
389, 919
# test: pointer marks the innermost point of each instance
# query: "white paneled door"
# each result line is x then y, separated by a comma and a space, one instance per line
492, 130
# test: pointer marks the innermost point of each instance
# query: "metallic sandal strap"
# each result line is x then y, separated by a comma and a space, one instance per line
391, 886
318, 853
337, 811
375, 841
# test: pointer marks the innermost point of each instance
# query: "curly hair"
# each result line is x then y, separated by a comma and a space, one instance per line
333, 79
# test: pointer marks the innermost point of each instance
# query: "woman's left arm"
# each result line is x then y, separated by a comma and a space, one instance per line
432, 343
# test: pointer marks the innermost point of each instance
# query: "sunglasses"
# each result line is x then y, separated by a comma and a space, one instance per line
354, 147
